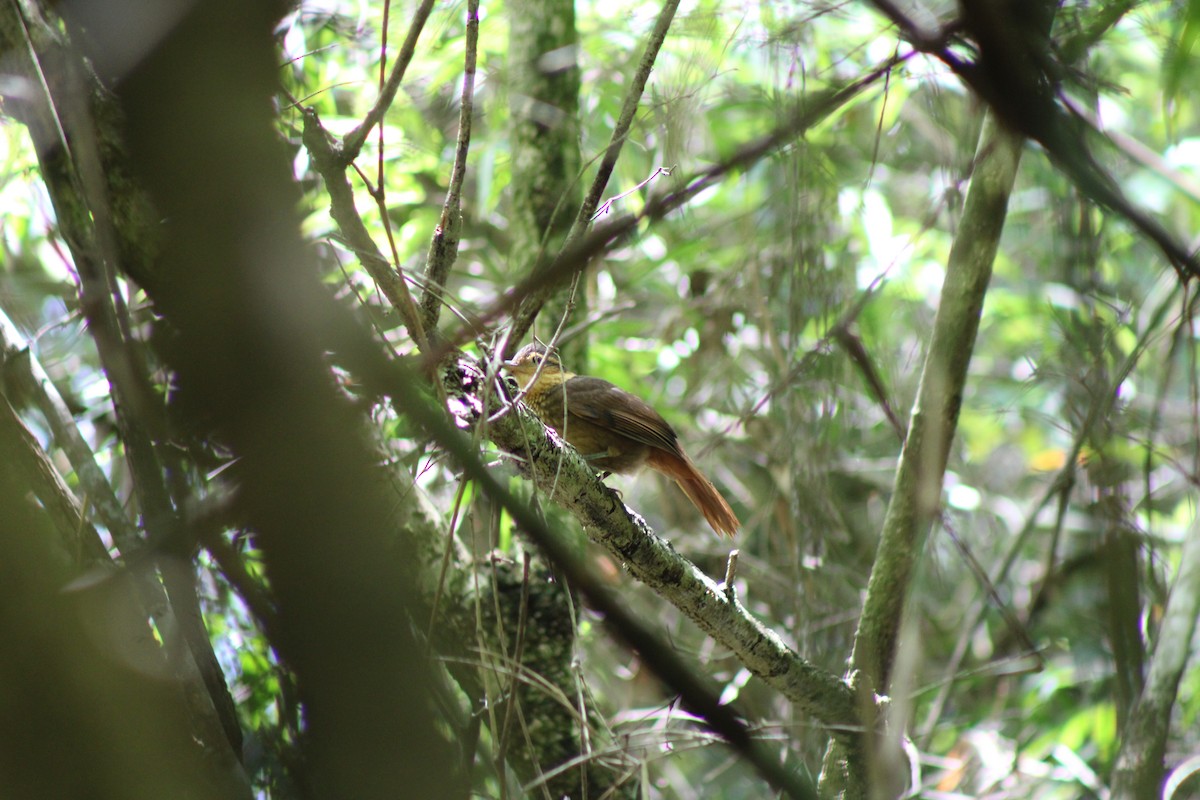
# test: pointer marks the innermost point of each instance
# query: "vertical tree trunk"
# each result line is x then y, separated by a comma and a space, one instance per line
544, 104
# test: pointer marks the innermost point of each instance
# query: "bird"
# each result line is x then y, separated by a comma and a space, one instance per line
614, 430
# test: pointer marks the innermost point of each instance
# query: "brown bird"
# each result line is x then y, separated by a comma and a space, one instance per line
613, 429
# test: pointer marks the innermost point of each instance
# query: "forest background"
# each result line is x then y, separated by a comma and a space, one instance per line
913, 283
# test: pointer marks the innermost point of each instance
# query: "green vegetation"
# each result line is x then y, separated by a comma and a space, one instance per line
915, 286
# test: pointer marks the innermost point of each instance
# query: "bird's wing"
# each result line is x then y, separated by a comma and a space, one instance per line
621, 412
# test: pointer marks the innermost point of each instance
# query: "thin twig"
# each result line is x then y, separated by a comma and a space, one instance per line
607, 205
443, 248
383, 39
633, 99
353, 141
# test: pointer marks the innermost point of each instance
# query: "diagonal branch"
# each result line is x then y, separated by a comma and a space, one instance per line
353, 142
655, 562
23, 373
565, 475
625, 121
327, 160
608, 234
25, 457
917, 494
1015, 77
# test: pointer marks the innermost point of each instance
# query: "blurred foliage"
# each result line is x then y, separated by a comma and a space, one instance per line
1083, 381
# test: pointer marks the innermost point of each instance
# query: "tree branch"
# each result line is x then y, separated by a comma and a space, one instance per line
329, 163
1015, 77
566, 477
443, 248
241, 291
606, 235
25, 456
73, 156
353, 142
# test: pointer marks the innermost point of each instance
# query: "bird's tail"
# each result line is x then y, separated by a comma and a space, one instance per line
698, 488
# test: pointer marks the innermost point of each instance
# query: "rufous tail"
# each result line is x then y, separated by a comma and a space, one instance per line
698, 488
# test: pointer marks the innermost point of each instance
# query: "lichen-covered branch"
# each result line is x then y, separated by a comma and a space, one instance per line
566, 477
